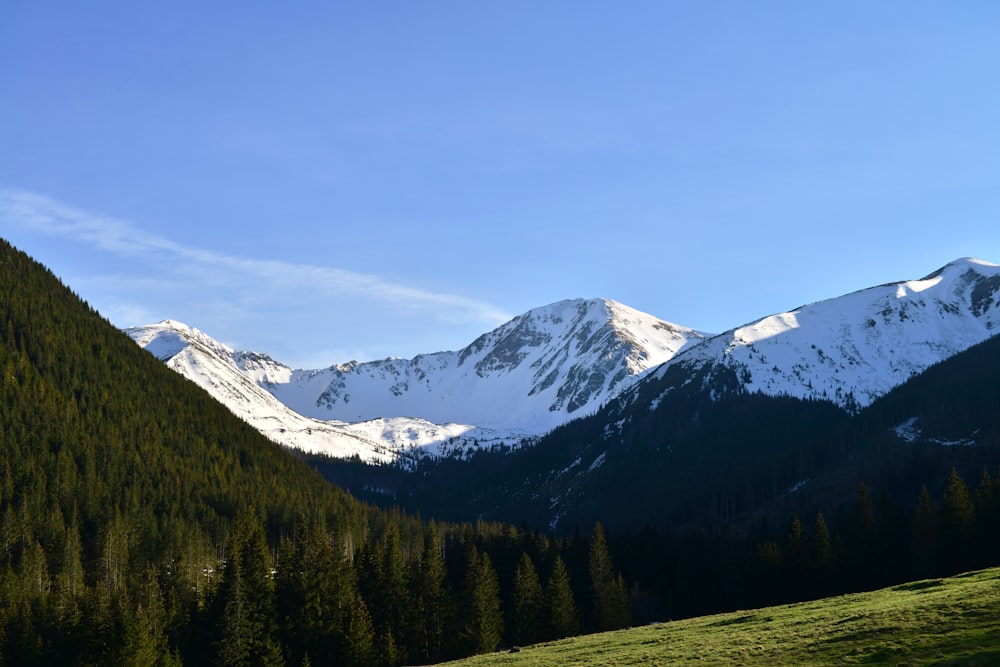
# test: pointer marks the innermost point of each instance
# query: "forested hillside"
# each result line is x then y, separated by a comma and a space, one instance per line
141, 523
707, 455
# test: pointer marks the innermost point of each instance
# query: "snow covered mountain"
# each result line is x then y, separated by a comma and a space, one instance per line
531, 374
855, 348
565, 360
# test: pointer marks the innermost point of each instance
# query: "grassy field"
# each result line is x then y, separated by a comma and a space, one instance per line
954, 621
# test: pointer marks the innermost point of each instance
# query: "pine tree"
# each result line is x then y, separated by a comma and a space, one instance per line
560, 607
957, 519
315, 590
481, 616
612, 608
384, 587
821, 557
432, 604
359, 635
245, 608
528, 603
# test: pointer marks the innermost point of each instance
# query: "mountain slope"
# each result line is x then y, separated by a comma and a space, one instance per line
565, 360
528, 375
77, 393
122, 485
749, 417
854, 348
520, 380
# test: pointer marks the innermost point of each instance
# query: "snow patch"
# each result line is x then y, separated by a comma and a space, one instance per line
908, 430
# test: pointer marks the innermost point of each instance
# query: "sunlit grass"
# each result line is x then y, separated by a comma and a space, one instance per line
954, 621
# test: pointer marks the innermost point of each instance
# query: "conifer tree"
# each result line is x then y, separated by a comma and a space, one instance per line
560, 607
612, 609
316, 589
69, 581
359, 635
957, 519
528, 604
432, 603
481, 616
245, 607
821, 556
385, 590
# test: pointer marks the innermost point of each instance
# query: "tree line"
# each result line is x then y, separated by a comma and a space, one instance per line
875, 541
315, 597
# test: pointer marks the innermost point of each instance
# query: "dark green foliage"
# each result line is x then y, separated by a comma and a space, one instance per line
527, 606
480, 615
957, 520
120, 484
612, 610
384, 585
561, 609
244, 617
318, 599
432, 603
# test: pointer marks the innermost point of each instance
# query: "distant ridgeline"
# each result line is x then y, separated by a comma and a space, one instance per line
719, 459
142, 523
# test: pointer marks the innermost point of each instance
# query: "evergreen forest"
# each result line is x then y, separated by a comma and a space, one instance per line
141, 523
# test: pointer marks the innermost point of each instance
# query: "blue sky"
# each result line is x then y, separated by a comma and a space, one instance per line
327, 181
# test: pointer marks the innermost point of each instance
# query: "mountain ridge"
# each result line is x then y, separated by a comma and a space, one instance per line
558, 362
509, 385
876, 344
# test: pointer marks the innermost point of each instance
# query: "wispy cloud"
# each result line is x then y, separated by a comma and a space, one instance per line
45, 215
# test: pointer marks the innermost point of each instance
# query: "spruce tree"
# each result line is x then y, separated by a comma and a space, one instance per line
560, 607
612, 608
432, 604
388, 596
315, 589
481, 616
245, 614
359, 635
527, 605
821, 557
957, 519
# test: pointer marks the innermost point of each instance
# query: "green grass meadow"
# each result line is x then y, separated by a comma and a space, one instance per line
953, 621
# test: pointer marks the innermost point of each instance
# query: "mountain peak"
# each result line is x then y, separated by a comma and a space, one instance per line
534, 372
963, 264
854, 348
169, 337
